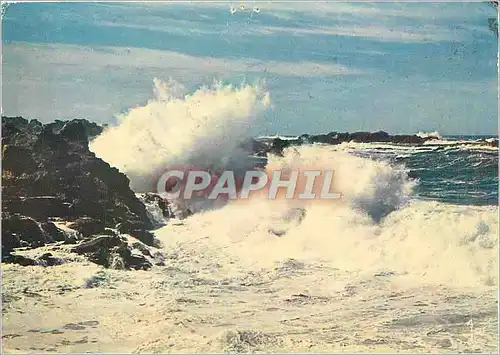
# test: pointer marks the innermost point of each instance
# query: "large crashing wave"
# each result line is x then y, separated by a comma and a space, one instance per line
206, 127
373, 187
203, 128
375, 225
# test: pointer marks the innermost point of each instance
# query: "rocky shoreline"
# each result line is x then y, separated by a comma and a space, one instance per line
56, 193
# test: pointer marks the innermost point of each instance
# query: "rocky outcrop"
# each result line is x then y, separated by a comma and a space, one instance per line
112, 252
46, 259
254, 146
277, 145
49, 172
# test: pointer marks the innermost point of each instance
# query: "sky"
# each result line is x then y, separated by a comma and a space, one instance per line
330, 66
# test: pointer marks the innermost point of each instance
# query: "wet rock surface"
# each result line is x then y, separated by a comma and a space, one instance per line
49, 174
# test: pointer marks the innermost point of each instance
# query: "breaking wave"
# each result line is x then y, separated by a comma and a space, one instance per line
434, 134
203, 128
377, 224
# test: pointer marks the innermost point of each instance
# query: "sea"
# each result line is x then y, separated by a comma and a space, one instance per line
405, 261
454, 169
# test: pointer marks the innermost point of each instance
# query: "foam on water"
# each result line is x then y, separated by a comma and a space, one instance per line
376, 224
376, 271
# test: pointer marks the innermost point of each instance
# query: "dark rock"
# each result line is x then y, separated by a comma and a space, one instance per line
75, 131
99, 242
17, 160
51, 172
20, 260
405, 139
24, 229
87, 226
132, 260
159, 258
10, 241
52, 232
136, 230
278, 145
48, 259
145, 236
112, 252
142, 248
155, 199
128, 226
39, 207
369, 137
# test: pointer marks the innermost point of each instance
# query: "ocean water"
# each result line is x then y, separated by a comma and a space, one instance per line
405, 261
448, 186
455, 169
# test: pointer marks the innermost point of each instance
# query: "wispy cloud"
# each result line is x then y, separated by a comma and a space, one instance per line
383, 22
381, 33
128, 57
58, 80
348, 65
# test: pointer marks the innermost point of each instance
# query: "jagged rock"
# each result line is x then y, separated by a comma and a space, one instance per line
278, 145
21, 231
126, 227
159, 258
142, 248
112, 252
59, 174
39, 207
146, 237
10, 241
17, 160
99, 242
48, 171
133, 260
87, 226
19, 259
152, 199
136, 230
24, 229
51, 231
46, 259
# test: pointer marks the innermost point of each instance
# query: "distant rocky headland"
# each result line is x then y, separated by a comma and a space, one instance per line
261, 147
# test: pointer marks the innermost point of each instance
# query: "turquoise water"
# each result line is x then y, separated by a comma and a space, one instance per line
458, 174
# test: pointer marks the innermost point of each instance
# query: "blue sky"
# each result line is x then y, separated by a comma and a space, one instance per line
401, 67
